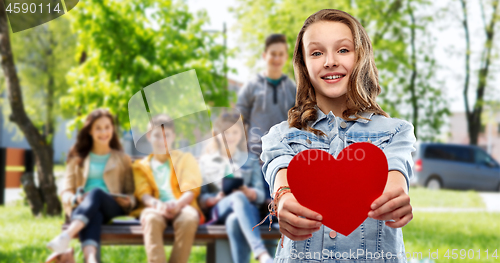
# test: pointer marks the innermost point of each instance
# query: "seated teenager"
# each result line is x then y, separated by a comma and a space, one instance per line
97, 186
234, 199
158, 190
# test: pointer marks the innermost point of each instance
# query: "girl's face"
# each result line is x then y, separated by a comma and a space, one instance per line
233, 135
102, 131
329, 57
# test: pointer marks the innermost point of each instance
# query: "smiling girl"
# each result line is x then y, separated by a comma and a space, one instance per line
337, 84
98, 168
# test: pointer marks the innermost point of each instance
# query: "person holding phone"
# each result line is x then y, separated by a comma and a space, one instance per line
233, 198
97, 186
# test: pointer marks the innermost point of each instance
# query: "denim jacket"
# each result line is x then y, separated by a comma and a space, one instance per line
393, 136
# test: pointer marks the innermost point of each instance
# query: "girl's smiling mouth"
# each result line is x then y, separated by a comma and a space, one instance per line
333, 77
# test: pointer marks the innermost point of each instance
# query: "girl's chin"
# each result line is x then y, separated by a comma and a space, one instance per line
103, 142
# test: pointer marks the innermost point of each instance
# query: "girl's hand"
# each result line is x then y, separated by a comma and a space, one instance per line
123, 201
393, 204
291, 225
249, 193
211, 201
79, 198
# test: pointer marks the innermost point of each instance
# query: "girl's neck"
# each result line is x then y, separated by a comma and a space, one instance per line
273, 74
231, 150
101, 149
336, 105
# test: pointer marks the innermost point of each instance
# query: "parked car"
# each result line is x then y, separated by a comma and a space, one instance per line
456, 167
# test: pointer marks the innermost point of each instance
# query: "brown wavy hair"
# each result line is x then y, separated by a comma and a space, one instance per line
84, 141
362, 88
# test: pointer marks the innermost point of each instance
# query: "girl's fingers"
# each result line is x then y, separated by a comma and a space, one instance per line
400, 222
385, 197
390, 205
296, 221
292, 236
299, 231
296, 208
396, 214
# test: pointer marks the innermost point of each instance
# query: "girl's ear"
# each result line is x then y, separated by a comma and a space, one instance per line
264, 55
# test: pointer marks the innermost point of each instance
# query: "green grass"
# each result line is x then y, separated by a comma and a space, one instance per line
422, 197
23, 240
447, 231
23, 237
59, 168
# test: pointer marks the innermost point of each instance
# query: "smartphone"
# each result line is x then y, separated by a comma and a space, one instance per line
80, 191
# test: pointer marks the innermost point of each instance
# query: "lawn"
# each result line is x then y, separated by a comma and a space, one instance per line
422, 197
23, 240
23, 237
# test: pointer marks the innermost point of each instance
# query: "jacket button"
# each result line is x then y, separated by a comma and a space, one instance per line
308, 141
333, 234
369, 141
343, 125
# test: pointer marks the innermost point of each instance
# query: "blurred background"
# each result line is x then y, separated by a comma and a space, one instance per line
438, 65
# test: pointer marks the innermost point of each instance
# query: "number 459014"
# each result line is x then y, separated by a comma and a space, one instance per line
31, 8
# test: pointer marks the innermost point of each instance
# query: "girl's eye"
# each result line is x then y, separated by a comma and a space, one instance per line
317, 52
343, 50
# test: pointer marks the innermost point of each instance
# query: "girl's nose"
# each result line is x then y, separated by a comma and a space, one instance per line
330, 61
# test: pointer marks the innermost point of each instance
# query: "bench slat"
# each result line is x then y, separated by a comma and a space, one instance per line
132, 234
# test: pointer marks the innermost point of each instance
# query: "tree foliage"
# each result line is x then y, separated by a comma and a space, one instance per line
127, 45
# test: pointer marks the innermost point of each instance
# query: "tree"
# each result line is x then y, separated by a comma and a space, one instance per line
474, 116
42, 150
390, 26
128, 45
44, 55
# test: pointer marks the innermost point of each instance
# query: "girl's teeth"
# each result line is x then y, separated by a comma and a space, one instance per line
333, 77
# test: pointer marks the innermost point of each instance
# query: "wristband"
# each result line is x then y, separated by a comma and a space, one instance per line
273, 207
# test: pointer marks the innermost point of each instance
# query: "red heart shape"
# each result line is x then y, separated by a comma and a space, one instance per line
341, 189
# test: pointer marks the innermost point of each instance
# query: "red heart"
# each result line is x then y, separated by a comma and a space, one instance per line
341, 189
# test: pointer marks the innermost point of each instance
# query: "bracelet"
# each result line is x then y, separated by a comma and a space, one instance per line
273, 207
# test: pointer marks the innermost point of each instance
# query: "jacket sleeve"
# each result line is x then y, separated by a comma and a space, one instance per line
190, 178
399, 149
245, 101
69, 182
275, 154
142, 185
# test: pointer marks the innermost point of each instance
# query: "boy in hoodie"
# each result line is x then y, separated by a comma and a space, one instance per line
161, 202
265, 100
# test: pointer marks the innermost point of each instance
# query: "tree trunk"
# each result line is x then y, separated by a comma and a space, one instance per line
32, 193
474, 117
414, 73
43, 152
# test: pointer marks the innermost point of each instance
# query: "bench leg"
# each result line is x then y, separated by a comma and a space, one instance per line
219, 252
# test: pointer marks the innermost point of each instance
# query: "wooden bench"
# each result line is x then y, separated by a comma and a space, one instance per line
214, 237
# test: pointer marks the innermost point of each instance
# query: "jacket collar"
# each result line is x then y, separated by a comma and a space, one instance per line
110, 164
321, 115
